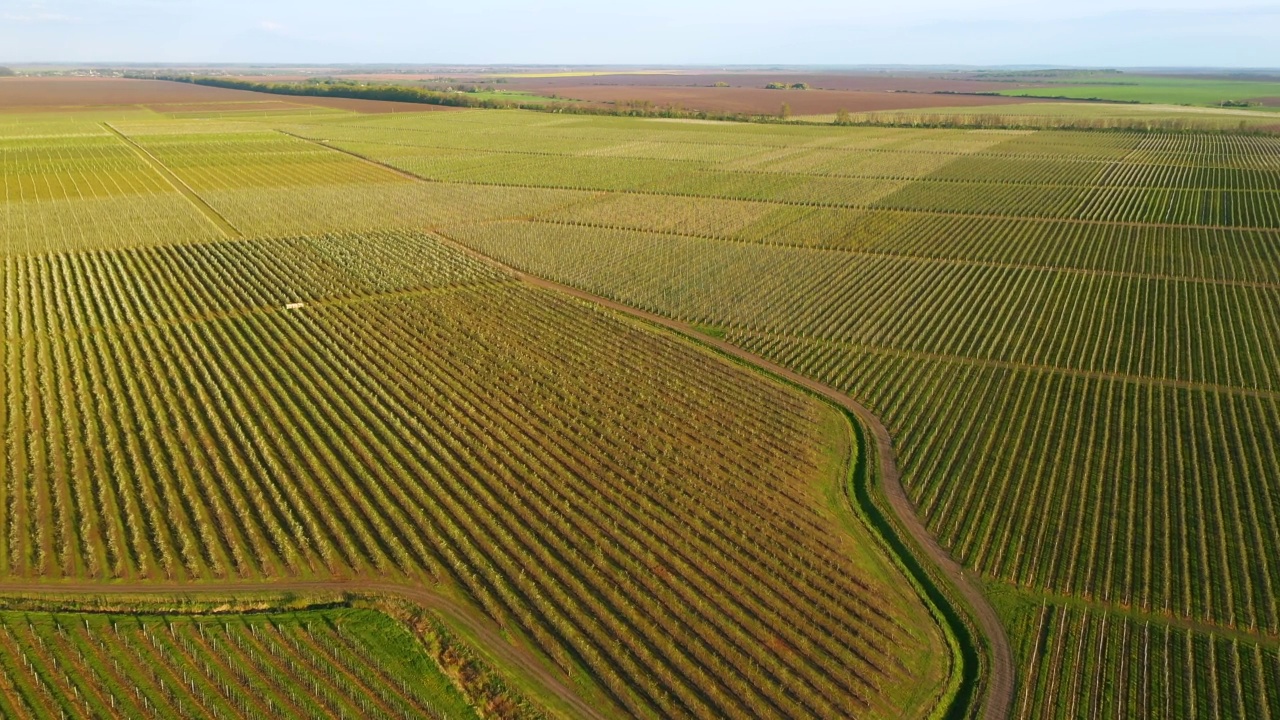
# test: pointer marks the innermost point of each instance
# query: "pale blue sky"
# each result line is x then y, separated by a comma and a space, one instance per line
1130, 33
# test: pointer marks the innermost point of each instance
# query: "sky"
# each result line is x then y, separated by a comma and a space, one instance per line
1094, 33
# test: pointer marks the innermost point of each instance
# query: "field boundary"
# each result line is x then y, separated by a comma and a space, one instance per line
963, 214
191, 195
912, 257
992, 364
1102, 164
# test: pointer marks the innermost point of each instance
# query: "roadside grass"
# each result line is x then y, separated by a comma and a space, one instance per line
1161, 90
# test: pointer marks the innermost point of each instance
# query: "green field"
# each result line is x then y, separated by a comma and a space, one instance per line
1158, 89
249, 351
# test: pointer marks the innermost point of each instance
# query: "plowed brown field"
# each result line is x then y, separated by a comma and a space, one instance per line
761, 101
37, 94
878, 82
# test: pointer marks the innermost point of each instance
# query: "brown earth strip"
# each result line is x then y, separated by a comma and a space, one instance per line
369, 107
870, 82
42, 93
53, 94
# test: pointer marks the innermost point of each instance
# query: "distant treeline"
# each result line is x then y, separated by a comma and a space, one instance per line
6, 72
646, 108
409, 94
347, 89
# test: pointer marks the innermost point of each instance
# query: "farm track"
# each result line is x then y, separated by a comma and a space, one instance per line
1177, 622
191, 195
939, 259
239, 313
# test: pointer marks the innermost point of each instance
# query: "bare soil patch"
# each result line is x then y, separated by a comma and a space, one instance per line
53, 94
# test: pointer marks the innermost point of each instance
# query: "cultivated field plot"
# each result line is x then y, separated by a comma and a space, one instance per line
338, 663
1072, 336
77, 186
270, 183
265, 400
1097, 664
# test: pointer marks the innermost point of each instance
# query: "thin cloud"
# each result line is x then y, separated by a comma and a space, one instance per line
38, 18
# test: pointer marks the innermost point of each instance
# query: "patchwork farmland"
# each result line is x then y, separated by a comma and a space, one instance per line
292, 349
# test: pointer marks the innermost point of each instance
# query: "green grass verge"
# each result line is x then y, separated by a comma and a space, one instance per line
1159, 90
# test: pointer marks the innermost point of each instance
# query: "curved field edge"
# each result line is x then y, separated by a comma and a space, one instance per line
963, 696
402, 656
852, 493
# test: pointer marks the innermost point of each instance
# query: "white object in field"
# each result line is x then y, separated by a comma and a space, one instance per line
295, 306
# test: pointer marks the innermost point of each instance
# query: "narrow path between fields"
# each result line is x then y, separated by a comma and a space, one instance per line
191, 195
